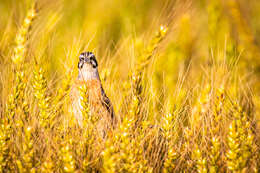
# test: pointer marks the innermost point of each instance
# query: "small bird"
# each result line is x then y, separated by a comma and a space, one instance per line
99, 103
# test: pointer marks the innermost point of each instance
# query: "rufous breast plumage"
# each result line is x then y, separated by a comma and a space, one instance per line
99, 104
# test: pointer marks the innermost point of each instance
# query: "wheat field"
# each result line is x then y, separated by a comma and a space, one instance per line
183, 77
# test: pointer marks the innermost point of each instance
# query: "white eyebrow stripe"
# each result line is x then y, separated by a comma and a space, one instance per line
81, 56
91, 55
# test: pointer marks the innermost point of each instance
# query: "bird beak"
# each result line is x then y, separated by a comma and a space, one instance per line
87, 60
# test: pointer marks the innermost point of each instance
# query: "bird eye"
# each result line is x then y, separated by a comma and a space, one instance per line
81, 57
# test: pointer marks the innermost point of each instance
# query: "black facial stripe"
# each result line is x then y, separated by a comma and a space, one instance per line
93, 61
80, 64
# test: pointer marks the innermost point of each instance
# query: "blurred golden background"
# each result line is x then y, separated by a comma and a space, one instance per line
183, 77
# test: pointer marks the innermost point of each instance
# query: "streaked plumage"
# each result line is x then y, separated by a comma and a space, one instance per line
99, 103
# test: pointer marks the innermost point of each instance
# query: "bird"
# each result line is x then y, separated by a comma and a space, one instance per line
99, 103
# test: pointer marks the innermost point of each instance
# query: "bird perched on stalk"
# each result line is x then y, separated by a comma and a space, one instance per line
99, 104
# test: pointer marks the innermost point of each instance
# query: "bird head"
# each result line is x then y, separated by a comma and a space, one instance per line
87, 58
88, 66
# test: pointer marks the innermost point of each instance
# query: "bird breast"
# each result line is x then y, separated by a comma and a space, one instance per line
94, 91
94, 95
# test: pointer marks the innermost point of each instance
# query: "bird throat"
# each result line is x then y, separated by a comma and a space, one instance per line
86, 74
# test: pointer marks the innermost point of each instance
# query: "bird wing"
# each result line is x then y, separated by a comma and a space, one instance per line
107, 103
